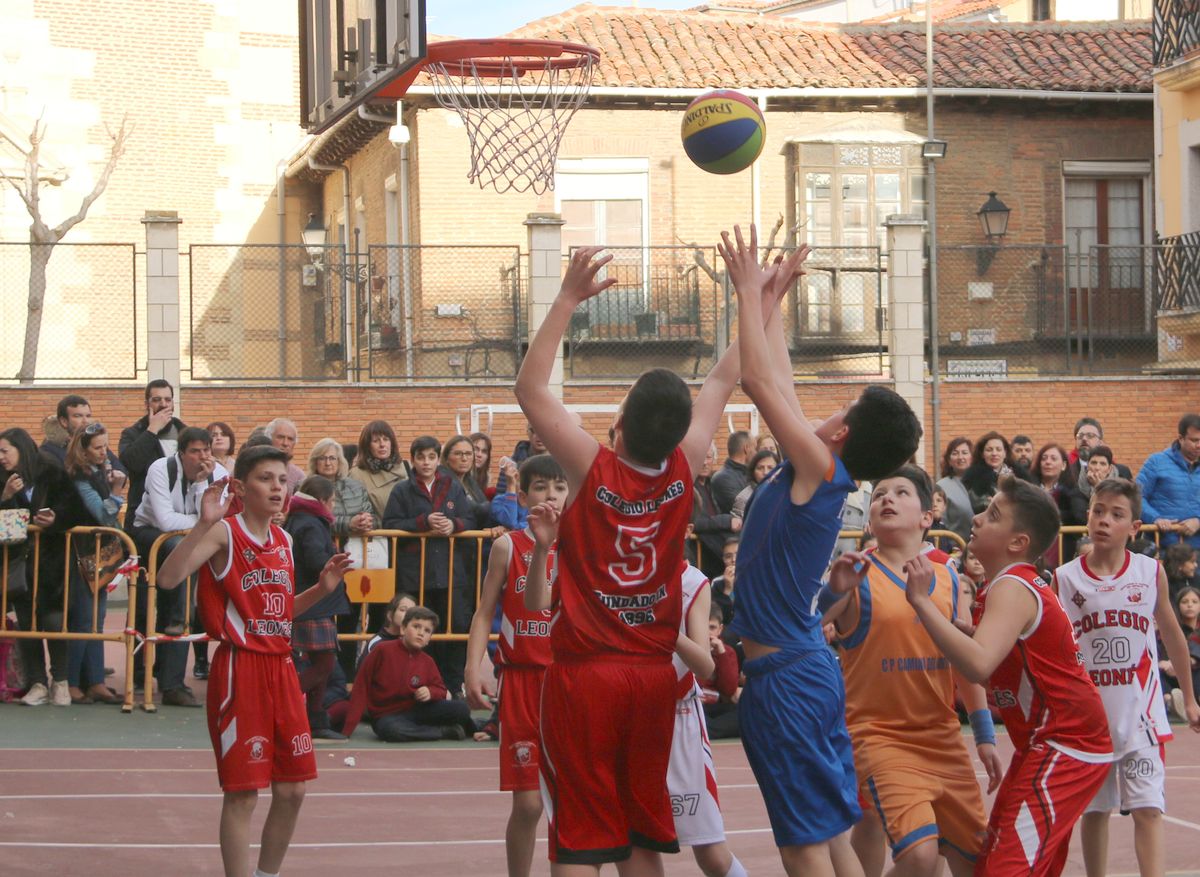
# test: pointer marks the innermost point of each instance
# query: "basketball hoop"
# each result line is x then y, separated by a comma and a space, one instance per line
515, 98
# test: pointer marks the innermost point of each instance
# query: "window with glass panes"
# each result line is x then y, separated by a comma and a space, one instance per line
845, 193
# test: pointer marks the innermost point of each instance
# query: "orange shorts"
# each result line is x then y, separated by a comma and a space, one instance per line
918, 802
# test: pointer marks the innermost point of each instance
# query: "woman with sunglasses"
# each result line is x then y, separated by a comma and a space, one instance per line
102, 490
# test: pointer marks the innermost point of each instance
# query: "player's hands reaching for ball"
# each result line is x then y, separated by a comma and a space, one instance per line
847, 571
918, 575
334, 571
543, 522
992, 764
214, 502
580, 282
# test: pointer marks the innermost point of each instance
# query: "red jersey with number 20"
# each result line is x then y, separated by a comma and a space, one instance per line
620, 559
524, 635
248, 602
1042, 686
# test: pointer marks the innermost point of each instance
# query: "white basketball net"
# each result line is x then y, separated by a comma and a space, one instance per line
516, 110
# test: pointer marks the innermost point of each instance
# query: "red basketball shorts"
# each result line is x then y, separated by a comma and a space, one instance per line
607, 728
256, 720
520, 694
1041, 798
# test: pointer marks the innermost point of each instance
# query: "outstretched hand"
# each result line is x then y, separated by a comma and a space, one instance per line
847, 571
741, 261
580, 283
215, 502
785, 272
543, 523
334, 571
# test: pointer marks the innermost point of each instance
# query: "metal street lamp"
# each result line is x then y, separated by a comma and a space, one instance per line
314, 235
993, 217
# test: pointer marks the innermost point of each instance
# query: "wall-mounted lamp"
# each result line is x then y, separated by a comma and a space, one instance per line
933, 149
313, 235
993, 217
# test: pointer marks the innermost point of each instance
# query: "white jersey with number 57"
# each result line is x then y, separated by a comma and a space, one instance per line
1113, 617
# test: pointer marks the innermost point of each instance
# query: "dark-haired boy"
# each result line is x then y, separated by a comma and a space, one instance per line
247, 597
1025, 650
432, 500
806, 775
922, 786
398, 687
617, 595
522, 655
1115, 599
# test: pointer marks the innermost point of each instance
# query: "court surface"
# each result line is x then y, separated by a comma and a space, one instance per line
87, 790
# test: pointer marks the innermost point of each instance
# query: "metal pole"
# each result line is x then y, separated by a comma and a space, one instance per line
935, 398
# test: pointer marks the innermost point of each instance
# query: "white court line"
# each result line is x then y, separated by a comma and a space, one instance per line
1175, 821
303, 846
210, 770
398, 794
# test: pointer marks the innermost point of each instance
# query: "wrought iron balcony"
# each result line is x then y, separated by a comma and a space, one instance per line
1176, 30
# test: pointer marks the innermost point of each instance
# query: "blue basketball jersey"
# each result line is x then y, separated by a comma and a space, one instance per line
782, 556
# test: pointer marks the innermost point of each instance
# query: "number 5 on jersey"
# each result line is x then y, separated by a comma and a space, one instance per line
639, 560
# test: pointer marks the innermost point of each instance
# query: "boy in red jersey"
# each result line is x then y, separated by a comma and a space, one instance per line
617, 598
1025, 649
522, 655
247, 599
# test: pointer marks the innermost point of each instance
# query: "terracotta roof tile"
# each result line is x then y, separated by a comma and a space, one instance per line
650, 48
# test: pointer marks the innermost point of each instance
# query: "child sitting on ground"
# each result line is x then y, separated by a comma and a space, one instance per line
399, 689
393, 621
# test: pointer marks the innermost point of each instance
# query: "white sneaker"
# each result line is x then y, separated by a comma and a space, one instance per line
60, 693
1177, 703
37, 695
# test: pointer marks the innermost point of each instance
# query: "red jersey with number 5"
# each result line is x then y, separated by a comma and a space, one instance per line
524, 635
620, 559
1042, 686
247, 600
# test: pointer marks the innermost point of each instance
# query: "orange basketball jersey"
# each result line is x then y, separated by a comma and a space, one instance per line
899, 687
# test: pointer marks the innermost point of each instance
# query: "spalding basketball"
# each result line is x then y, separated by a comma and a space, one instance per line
723, 131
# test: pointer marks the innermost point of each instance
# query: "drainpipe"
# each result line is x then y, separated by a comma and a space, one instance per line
406, 256
281, 220
347, 304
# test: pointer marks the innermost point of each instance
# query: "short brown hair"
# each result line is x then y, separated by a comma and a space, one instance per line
1034, 513
1120, 487
420, 613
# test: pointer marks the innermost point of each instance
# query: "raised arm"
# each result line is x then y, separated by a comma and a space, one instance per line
204, 540
571, 446
755, 288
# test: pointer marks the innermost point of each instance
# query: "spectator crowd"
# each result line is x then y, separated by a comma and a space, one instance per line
147, 479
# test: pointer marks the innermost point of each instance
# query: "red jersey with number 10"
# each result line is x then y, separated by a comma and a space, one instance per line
524, 635
1042, 687
620, 559
248, 602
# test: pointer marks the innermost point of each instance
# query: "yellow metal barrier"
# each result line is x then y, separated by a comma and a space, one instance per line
33, 547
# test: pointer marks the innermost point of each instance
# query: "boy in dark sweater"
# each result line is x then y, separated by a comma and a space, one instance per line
399, 688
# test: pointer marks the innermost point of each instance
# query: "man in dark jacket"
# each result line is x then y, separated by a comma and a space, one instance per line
711, 526
73, 413
433, 501
1089, 434
155, 435
733, 476
314, 634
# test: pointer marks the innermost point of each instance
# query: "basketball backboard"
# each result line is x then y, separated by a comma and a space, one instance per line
349, 49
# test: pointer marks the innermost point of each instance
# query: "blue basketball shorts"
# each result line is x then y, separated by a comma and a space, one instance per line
793, 719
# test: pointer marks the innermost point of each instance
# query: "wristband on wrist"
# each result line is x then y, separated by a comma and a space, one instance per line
982, 727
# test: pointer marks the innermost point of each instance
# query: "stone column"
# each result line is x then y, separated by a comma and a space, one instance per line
162, 297
545, 277
906, 311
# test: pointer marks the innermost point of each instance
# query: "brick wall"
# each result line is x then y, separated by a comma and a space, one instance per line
1139, 415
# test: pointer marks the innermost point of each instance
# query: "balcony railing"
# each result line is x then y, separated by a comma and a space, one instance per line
1177, 272
1176, 30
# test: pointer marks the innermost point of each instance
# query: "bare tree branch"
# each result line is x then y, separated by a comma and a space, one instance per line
114, 155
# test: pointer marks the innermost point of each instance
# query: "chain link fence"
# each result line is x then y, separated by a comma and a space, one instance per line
1045, 310
668, 308
268, 312
837, 314
90, 320
441, 312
